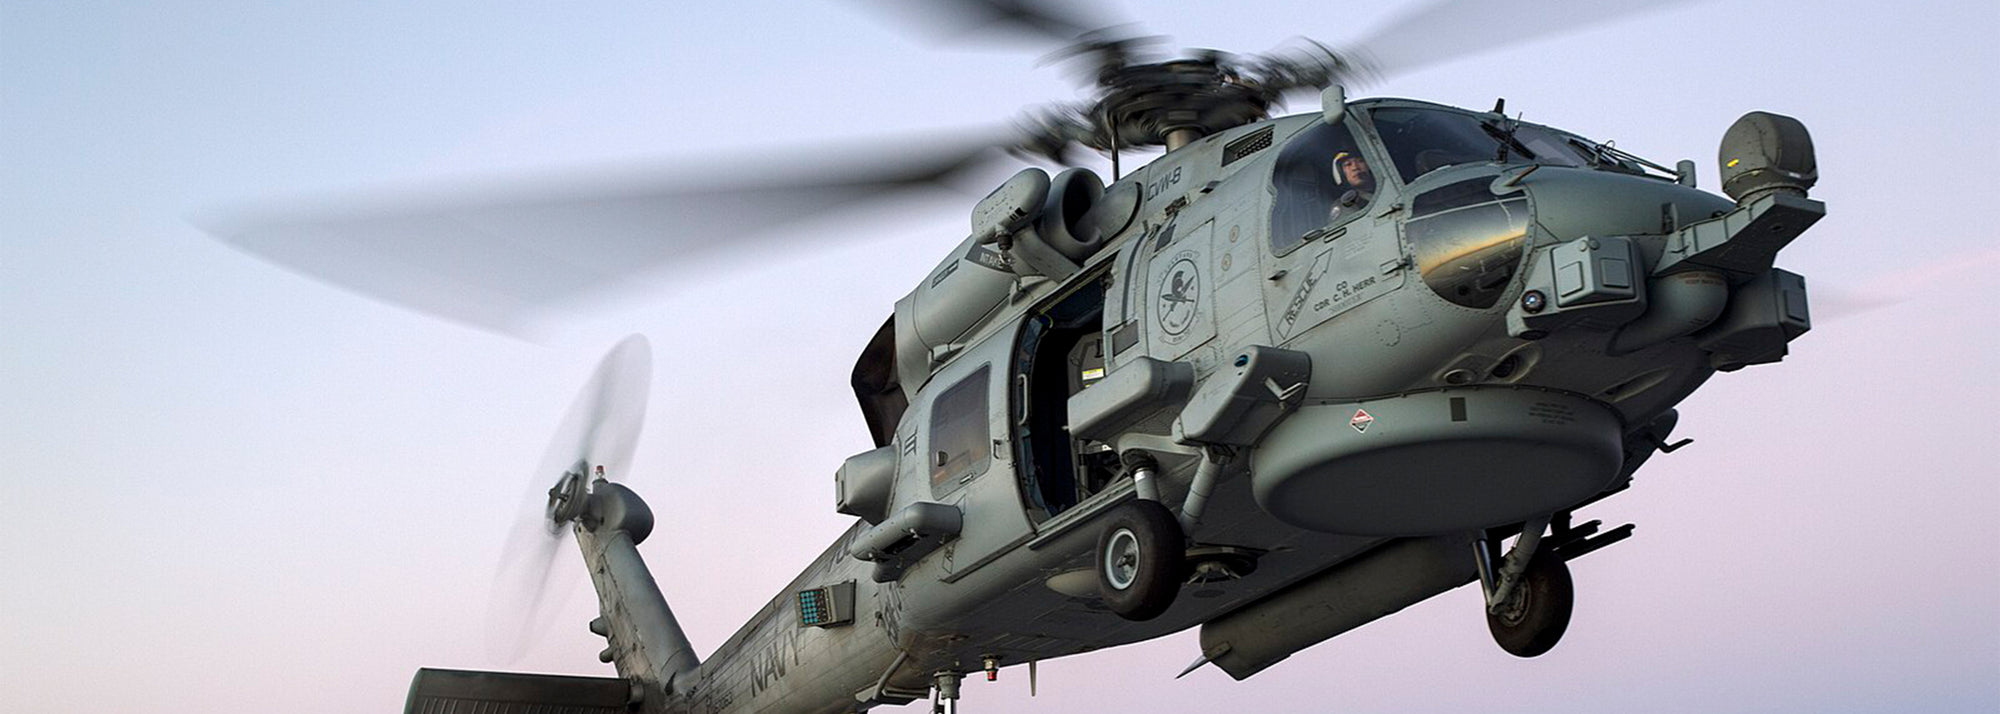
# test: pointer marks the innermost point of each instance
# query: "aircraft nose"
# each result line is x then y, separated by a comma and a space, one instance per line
1651, 261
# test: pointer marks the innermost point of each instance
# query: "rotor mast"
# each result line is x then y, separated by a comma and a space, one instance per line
1170, 103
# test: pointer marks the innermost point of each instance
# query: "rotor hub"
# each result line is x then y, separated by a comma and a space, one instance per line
1170, 103
568, 498
1146, 104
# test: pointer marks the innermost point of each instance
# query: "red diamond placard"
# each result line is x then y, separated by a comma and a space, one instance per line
1361, 420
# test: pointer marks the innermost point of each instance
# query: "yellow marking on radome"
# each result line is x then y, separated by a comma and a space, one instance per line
1733, 162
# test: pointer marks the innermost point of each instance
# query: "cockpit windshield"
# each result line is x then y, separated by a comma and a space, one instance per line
1423, 139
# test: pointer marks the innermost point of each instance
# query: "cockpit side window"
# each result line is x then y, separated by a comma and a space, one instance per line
1320, 179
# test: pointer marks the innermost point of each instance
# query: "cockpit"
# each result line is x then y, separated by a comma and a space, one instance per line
1325, 176
1422, 139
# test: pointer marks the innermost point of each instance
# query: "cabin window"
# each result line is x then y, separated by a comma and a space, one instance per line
961, 442
1320, 179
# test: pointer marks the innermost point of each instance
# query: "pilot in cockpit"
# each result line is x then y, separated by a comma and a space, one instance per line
1356, 181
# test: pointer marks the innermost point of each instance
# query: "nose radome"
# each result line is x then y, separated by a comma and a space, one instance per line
1574, 203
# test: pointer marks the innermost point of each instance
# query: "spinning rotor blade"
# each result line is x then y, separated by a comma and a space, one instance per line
508, 257
525, 593
1446, 30
1064, 22
600, 430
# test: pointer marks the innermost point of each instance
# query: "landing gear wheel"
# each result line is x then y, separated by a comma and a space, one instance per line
1534, 617
1139, 560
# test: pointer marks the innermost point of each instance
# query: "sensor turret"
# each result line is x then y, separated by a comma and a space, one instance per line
1766, 153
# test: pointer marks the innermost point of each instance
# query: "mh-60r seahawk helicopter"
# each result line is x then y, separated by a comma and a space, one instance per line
1291, 376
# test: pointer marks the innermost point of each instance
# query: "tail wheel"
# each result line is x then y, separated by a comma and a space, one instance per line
1536, 615
1140, 557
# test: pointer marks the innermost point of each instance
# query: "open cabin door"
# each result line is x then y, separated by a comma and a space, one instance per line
1060, 352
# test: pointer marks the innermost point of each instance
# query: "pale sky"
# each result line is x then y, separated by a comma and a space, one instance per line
233, 488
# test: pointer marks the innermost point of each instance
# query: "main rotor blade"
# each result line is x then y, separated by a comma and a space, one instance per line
1446, 30
1064, 22
506, 257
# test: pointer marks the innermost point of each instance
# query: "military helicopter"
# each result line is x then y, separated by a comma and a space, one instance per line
1293, 375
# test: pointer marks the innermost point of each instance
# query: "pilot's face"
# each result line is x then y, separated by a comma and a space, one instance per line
1355, 171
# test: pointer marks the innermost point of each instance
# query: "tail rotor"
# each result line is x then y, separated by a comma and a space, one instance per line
595, 440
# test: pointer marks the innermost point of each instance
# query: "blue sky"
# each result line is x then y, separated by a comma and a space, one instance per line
229, 484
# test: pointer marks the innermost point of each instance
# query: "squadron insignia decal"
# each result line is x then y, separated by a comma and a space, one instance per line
1180, 295
1180, 290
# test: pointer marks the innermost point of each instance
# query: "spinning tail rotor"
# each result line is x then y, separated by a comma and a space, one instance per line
595, 440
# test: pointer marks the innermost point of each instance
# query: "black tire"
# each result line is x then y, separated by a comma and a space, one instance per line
1139, 558
1546, 597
